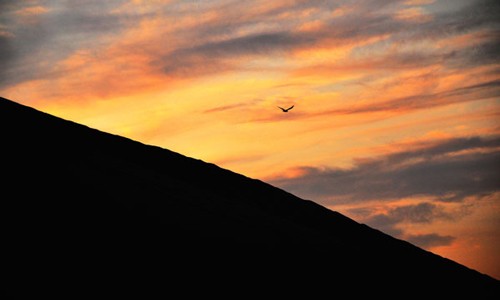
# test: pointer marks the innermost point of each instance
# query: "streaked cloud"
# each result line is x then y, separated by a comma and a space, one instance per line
217, 42
447, 171
431, 240
62, 29
391, 219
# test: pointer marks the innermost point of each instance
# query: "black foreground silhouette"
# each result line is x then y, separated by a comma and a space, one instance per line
84, 210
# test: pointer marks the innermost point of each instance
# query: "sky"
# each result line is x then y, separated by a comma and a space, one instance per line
396, 102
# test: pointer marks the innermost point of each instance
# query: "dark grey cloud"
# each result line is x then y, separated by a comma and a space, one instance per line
476, 15
7, 53
218, 45
480, 17
36, 43
254, 44
242, 14
449, 171
367, 19
217, 54
430, 240
361, 26
485, 53
422, 213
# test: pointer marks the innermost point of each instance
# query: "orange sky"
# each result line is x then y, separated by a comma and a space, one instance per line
396, 111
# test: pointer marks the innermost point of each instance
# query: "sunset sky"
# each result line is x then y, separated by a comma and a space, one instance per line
396, 117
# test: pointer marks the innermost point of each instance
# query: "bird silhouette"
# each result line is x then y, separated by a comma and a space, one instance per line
286, 109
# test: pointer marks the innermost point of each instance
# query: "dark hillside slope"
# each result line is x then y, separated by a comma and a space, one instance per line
73, 195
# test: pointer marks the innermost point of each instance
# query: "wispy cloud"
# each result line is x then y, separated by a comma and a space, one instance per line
425, 101
430, 240
447, 171
420, 221
390, 221
35, 48
200, 39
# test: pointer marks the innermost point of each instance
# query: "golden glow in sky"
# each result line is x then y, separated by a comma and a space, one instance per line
396, 111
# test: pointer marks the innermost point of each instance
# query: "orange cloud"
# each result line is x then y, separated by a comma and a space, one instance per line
32, 10
419, 2
413, 14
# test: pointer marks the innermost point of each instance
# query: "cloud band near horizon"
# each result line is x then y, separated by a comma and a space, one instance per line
447, 171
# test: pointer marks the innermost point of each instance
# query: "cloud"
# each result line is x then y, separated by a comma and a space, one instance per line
396, 217
38, 41
216, 55
430, 240
247, 105
484, 53
186, 40
398, 220
420, 101
409, 46
447, 171
7, 53
231, 49
390, 219
220, 41
424, 212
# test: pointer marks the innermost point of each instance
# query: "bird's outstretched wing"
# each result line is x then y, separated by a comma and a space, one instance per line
286, 109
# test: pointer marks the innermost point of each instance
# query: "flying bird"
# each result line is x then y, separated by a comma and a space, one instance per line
286, 109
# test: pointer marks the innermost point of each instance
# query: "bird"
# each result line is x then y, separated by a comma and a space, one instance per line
286, 109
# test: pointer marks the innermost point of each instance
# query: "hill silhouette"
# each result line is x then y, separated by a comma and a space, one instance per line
85, 208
